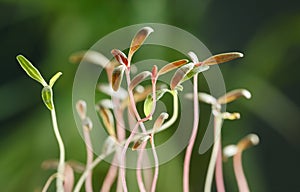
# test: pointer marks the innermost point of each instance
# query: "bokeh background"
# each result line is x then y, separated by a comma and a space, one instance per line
47, 32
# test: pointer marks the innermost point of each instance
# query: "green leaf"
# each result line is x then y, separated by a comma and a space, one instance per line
54, 78
31, 70
47, 96
195, 71
148, 105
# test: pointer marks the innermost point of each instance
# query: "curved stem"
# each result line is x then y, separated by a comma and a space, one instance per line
214, 154
61, 164
190, 147
139, 176
123, 155
174, 116
49, 181
239, 173
88, 169
155, 177
89, 153
132, 102
110, 176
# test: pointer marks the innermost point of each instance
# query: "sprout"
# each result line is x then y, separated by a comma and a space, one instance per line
236, 151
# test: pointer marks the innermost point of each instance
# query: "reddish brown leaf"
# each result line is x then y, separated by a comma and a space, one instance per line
120, 57
138, 40
222, 58
117, 76
139, 142
248, 141
159, 121
154, 72
233, 95
171, 66
108, 120
180, 74
138, 79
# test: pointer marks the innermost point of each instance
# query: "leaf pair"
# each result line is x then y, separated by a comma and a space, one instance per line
125, 61
47, 94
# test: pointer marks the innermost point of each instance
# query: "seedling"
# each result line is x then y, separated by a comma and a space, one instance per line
123, 98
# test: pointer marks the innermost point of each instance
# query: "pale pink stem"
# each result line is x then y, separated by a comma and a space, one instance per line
119, 182
89, 151
219, 169
140, 157
190, 146
148, 175
132, 102
139, 176
239, 173
121, 134
110, 176
118, 112
156, 162
113, 170
123, 155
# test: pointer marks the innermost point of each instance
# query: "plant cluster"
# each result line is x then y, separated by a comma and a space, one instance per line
112, 112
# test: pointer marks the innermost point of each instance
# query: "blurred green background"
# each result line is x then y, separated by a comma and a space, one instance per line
47, 32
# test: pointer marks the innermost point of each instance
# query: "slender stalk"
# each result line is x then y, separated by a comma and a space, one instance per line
132, 103
49, 181
140, 157
119, 182
174, 116
88, 169
148, 175
139, 176
214, 154
156, 162
219, 169
121, 134
123, 155
110, 176
190, 146
89, 152
239, 173
61, 164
